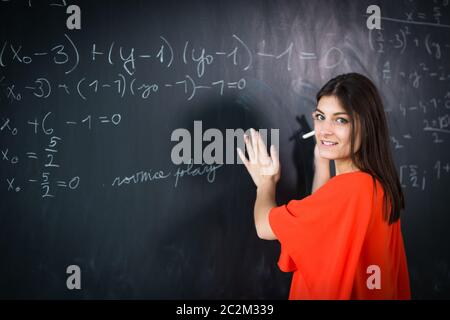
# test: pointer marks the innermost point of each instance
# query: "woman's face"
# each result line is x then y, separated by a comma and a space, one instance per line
332, 125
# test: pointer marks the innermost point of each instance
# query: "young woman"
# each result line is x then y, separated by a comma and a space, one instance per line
343, 241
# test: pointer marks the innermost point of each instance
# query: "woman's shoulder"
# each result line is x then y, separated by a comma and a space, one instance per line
361, 176
354, 181
340, 191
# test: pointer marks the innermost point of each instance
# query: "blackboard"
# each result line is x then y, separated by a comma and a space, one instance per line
86, 118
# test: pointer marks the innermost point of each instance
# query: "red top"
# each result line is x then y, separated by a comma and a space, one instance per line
338, 244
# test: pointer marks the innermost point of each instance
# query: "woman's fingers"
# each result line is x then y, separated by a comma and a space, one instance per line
260, 162
256, 149
242, 157
274, 166
262, 149
254, 145
274, 157
249, 147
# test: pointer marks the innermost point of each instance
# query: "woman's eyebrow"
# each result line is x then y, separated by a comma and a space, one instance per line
334, 114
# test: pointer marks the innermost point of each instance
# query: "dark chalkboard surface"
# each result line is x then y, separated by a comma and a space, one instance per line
86, 118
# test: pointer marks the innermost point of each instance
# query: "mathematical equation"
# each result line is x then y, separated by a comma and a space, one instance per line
47, 155
121, 86
416, 177
418, 75
415, 32
405, 37
399, 42
66, 54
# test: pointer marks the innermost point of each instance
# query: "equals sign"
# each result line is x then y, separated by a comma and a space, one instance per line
104, 119
32, 155
61, 184
232, 84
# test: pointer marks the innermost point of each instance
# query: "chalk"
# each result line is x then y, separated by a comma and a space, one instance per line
309, 134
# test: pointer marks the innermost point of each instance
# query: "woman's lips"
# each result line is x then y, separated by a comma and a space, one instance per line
328, 144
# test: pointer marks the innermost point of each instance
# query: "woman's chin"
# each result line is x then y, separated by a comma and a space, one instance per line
326, 155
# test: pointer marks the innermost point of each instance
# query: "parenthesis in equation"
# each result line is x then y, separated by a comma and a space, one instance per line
171, 51
77, 56
184, 52
124, 84
79, 88
1, 54
132, 86
110, 53
404, 41
250, 56
427, 44
193, 86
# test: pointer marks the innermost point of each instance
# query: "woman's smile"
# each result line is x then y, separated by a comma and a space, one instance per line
328, 143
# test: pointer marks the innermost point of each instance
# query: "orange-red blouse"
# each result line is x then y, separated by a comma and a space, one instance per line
338, 245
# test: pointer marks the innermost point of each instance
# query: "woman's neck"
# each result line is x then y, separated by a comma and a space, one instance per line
344, 166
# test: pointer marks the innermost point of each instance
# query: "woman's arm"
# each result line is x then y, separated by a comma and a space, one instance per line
321, 170
265, 172
265, 201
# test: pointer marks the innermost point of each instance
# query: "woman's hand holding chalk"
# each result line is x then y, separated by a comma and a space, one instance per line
309, 134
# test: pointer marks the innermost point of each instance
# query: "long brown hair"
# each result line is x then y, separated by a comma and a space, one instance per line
360, 98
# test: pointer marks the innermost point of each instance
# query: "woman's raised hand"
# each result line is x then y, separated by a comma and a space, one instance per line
261, 167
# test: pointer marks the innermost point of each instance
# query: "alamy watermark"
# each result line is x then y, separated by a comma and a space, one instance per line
74, 279
219, 150
374, 280
374, 19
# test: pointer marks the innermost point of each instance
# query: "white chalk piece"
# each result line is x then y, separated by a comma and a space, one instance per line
309, 134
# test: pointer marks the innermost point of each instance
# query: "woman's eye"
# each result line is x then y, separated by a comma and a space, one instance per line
321, 117
318, 116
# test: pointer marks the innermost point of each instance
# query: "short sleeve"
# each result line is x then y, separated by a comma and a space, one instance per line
321, 236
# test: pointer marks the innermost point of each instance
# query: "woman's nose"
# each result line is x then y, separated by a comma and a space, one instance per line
326, 127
